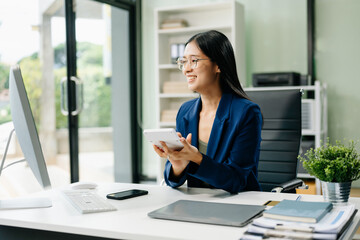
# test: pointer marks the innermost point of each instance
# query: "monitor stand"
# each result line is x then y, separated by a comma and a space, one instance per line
22, 203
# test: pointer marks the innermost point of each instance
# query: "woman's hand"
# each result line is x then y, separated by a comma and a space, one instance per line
178, 166
180, 159
189, 151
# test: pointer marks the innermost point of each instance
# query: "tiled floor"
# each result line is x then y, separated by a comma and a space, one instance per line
18, 179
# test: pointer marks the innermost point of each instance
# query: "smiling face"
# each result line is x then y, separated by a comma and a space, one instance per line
205, 77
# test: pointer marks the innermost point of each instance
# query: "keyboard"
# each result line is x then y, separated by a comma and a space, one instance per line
86, 201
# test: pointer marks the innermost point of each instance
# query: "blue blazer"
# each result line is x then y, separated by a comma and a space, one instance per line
232, 156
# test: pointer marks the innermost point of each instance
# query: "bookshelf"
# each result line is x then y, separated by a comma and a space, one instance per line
171, 86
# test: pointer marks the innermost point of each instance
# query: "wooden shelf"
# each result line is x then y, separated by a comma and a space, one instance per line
167, 124
304, 87
168, 66
191, 30
178, 95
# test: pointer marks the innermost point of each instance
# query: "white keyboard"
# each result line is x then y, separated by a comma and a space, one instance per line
86, 201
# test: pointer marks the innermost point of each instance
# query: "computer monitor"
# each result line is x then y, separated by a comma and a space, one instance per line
28, 138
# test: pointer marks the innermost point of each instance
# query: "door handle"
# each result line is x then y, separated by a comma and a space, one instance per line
79, 96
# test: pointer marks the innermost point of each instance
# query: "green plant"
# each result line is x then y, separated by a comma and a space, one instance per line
333, 163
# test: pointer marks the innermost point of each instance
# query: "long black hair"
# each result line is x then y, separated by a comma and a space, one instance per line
217, 47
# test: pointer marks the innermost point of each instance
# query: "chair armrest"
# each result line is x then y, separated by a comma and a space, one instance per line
290, 186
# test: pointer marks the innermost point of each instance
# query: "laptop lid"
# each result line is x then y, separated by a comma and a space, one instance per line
208, 212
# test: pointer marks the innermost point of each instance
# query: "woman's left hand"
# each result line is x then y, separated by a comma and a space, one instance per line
189, 152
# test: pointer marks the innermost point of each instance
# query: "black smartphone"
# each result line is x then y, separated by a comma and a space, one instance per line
127, 194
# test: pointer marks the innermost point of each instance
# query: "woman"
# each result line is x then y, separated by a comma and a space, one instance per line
222, 127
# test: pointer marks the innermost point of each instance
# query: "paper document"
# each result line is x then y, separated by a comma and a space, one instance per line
332, 222
331, 226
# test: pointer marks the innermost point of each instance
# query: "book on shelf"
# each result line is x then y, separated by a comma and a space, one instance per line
173, 23
176, 50
176, 87
300, 211
168, 115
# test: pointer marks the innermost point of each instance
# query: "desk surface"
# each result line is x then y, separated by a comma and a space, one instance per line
130, 221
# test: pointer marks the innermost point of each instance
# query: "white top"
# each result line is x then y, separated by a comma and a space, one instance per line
130, 221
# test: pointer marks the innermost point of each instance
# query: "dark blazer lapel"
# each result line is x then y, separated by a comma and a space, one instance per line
222, 114
192, 120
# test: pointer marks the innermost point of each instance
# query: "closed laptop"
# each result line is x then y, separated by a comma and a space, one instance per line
208, 212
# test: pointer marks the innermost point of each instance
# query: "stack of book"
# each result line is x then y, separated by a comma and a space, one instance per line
302, 220
176, 87
168, 115
173, 23
299, 211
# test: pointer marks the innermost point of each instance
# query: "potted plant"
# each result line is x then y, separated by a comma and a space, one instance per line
336, 166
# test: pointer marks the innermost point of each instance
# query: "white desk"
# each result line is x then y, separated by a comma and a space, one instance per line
130, 221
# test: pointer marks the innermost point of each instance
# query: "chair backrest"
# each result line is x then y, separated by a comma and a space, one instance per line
281, 135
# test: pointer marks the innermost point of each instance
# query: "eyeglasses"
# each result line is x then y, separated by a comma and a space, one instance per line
192, 61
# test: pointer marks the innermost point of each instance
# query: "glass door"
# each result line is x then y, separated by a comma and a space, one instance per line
78, 55
33, 36
99, 92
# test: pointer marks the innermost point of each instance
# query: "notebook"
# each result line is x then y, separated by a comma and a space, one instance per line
208, 212
300, 211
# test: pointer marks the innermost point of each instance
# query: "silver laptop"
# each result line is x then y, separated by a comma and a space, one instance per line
209, 212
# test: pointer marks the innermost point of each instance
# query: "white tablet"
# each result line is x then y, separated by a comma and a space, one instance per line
167, 135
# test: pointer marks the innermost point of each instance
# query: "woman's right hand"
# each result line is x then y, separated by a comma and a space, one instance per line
178, 165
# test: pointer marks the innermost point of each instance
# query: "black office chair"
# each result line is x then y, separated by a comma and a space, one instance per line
281, 136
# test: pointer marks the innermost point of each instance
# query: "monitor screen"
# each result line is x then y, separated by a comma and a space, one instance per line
25, 127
